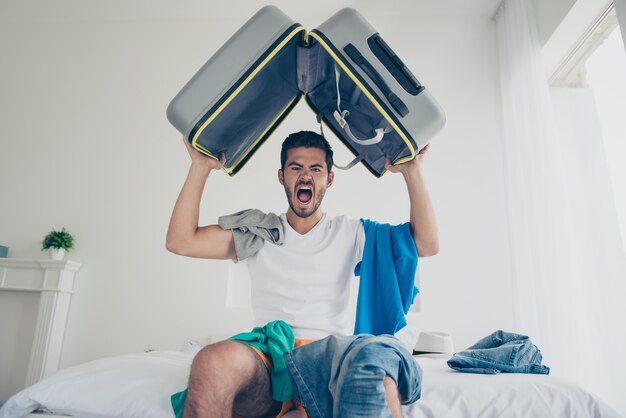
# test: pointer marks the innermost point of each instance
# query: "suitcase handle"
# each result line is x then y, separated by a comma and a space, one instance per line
394, 65
371, 72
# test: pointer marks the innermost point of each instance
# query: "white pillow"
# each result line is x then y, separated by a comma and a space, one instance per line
128, 386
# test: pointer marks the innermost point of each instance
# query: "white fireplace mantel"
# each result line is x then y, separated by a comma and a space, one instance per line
54, 281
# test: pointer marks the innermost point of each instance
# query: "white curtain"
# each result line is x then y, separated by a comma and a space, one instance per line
568, 265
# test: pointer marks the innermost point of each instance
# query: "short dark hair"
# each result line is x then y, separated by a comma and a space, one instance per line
307, 139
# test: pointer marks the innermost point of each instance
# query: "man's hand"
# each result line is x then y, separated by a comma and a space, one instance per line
408, 166
201, 160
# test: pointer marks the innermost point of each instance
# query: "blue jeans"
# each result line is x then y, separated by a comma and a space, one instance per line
342, 377
500, 352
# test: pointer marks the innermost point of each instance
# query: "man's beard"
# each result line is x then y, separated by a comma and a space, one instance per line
304, 213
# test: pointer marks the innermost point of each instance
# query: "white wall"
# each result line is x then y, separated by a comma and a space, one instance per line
84, 143
549, 15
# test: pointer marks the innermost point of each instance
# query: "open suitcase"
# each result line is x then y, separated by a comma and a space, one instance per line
349, 76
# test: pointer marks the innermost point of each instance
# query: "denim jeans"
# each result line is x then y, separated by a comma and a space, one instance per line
500, 352
342, 377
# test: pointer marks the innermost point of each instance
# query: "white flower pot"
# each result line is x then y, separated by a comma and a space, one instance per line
57, 253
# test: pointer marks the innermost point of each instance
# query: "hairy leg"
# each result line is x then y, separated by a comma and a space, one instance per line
392, 396
228, 377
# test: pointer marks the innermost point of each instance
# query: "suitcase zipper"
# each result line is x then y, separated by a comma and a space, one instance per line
318, 37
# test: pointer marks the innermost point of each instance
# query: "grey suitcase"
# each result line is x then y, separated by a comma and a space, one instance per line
349, 76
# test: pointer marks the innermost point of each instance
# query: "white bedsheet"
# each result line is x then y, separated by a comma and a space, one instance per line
447, 393
139, 385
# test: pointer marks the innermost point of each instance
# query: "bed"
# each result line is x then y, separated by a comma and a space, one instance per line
139, 385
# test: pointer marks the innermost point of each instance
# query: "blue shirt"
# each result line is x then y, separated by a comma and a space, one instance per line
387, 285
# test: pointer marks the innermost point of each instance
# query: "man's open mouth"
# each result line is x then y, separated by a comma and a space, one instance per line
304, 193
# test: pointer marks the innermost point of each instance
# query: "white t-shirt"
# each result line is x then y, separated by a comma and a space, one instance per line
306, 281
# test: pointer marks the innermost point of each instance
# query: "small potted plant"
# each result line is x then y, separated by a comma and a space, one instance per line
58, 242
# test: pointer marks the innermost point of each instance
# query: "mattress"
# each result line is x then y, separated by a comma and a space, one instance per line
140, 385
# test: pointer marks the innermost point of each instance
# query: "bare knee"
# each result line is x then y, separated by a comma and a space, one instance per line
223, 374
230, 362
215, 354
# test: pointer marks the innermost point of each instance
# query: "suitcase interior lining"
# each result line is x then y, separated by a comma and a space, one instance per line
316, 76
255, 106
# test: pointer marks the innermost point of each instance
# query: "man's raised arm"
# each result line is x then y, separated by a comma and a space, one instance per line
423, 222
184, 236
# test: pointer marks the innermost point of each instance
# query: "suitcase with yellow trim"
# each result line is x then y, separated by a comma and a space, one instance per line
350, 77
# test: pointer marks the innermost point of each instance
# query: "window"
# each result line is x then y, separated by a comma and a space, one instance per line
598, 62
606, 75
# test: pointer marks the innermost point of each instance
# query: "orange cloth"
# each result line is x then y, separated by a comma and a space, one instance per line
292, 404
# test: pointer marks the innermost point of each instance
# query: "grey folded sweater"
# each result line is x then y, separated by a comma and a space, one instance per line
251, 228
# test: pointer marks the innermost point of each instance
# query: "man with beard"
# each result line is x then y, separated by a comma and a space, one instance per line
304, 282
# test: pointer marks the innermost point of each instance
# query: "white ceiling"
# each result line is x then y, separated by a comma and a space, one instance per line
81, 10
